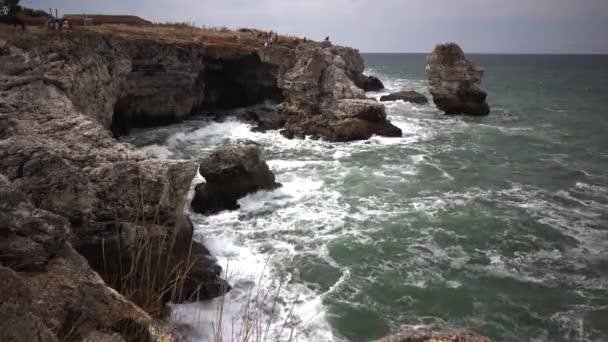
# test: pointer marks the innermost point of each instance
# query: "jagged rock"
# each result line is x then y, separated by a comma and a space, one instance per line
322, 98
231, 172
58, 155
265, 117
427, 336
48, 291
455, 81
372, 83
406, 96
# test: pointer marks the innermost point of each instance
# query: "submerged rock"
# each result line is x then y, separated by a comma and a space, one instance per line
427, 336
231, 172
455, 81
406, 96
372, 83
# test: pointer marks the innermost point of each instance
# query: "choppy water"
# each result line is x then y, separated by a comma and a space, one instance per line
498, 224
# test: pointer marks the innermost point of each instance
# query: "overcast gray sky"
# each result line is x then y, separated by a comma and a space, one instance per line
490, 26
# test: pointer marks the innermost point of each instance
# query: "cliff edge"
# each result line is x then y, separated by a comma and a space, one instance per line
86, 221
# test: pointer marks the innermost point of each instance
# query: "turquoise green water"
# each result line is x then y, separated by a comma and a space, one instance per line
497, 224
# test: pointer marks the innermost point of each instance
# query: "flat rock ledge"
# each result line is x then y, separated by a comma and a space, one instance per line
231, 172
405, 96
455, 82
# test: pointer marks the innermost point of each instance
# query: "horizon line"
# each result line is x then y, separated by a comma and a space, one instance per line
499, 53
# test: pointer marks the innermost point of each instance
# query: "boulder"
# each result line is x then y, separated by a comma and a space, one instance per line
372, 83
406, 96
455, 81
428, 336
231, 172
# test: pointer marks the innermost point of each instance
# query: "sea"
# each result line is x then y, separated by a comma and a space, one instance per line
496, 224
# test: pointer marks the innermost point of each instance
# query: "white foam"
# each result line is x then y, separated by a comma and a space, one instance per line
158, 151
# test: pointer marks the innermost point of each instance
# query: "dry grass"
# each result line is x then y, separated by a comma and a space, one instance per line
220, 41
254, 323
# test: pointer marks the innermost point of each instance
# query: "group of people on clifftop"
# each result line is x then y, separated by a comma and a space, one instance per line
269, 38
57, 25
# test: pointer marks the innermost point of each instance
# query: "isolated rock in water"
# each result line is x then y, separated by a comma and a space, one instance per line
427, 336
231, 172
455, 81
372, 83
407, 96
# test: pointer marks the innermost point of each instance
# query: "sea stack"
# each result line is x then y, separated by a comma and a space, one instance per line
231, 172
455, 82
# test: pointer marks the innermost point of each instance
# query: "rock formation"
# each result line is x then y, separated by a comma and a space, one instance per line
48, 291
372, 83
72, 191
406, 96
322, 98
455, 81
231, 172
427, 336
77, 207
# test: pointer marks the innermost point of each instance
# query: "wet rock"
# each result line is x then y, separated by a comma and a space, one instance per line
231, 172
372, 83
406, 96
264, 117
455, 81
427, 336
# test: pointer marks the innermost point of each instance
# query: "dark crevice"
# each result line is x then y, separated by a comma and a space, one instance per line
240, 81
125, 117
227, 83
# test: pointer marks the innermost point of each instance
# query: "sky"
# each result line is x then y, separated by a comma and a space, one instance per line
479, 26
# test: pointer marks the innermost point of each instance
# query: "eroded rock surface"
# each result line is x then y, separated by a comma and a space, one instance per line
75, 191
406, 96
231, 172
372, 83
455, 82
323, 100
48, 291
77, 205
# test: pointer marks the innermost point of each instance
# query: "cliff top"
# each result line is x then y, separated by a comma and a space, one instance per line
224, 41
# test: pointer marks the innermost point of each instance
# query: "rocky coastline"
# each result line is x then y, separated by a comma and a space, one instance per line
78, 207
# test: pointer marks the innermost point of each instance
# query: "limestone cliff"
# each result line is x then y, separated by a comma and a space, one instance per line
77, 204
69, 190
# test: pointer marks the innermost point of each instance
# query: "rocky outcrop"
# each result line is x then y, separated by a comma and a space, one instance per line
48, 291
88, 204
455, 81
372, 83
83, 194
406, 96
163, 84
231, 172
322, 98
427, 336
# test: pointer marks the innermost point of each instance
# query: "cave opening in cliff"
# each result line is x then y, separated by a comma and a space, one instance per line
240, 81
